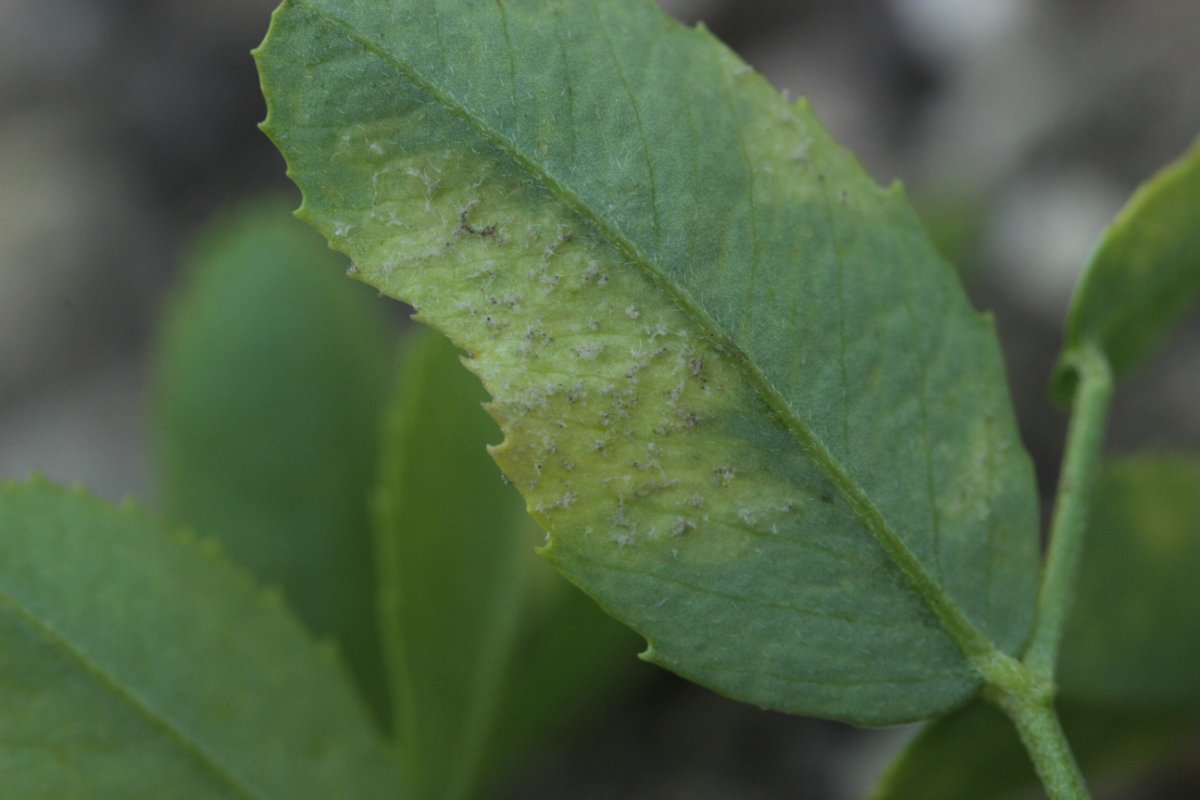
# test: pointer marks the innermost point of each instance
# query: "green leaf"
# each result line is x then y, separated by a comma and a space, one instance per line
736, 383
450, 545
1130, 670
271, 374
1144, 275
571, 662
1134, 640
137, 662
468, 613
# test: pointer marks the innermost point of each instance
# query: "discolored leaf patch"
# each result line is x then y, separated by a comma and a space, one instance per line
705, 331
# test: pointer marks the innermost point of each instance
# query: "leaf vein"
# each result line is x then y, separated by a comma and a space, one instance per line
974, 645
568, 85
635, 107
155, 716
751, 204
508, 51
923, 406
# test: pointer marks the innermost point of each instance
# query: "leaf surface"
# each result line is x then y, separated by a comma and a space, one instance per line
1130, 682
1145, 274
467, 610
1133, 641
450, 542
271, 374
736, 383
138, 662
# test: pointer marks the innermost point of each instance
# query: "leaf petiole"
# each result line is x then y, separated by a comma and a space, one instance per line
1041, 732
1085, 438
1025, 691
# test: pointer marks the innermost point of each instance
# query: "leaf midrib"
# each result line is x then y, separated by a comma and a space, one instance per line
156, 717
973, 644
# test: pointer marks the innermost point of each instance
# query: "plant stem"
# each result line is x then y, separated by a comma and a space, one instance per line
1085, 437
1040, 732
1025, 690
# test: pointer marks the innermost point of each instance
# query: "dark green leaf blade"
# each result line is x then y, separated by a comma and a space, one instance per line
704, 328
1133, 641
468, 611
271, 373
136, 662
572, 661
1130, 671
1144, 275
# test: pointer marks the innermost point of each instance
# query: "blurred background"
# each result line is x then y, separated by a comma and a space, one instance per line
1019, 127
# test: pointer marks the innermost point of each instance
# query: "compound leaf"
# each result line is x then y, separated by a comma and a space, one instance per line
271, 374
736, 383
1144, 275
138, 662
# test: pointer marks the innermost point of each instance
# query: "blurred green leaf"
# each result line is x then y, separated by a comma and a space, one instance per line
489, 650
451, 566
136, 662
271, 374
1130, 664
1133, 641
571, 661
1145, 273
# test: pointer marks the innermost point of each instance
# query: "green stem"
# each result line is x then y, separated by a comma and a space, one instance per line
1085, 437
1025, 690
1037, 723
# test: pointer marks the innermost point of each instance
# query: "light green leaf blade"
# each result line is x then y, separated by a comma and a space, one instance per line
1144, 275
483, 639
706, 332
138, 662
1133, 641
271, 374
1130, 669
451, 558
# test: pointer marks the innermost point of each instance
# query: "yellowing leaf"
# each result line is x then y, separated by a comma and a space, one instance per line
738, 387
